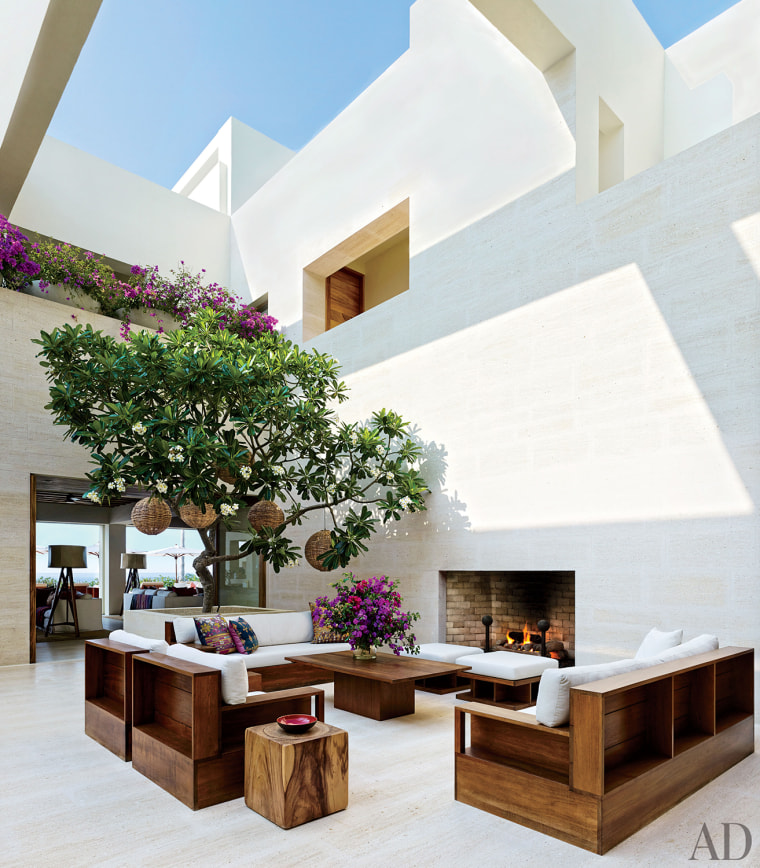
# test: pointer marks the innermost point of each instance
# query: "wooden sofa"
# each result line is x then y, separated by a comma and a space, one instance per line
636, 744
186, 740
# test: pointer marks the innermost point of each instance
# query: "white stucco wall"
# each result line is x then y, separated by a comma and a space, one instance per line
79, 198
229, 170
727, 47
461, 125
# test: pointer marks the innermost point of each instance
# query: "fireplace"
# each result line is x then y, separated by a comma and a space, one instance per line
516, 601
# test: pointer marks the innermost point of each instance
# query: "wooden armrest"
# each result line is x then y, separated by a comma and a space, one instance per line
112, 645
178, 664
506, 715
291, 693
205, 648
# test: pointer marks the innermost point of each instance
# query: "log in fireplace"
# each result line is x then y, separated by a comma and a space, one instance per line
525, 642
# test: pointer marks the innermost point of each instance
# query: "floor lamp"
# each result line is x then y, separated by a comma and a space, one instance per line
133, 562
68, 558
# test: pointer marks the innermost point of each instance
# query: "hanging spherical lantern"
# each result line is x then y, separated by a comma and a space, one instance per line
151, 515
193, 515
317, 544
231, 477
265, 513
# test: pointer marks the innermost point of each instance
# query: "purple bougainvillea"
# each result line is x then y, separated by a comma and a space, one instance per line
83, 273
16, 268
368, 613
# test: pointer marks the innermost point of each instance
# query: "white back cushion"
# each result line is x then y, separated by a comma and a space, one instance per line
282, 628
553, 701
232, 667
185, 632
139, 641
699, 645
657, 641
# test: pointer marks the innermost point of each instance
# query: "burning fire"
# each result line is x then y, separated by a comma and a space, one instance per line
525, 637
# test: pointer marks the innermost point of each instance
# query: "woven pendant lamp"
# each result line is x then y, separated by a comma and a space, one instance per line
193, 515
317, 544
230, 477
265, 513
151, 515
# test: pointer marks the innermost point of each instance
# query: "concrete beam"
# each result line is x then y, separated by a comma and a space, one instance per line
63, 32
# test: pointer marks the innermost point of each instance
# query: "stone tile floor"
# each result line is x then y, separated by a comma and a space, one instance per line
66, 801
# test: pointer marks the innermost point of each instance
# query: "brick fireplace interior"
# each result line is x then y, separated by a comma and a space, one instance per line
512, 599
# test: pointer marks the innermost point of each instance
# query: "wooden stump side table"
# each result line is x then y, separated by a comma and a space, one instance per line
292, 779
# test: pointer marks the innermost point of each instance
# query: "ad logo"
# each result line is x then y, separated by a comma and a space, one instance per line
732, 843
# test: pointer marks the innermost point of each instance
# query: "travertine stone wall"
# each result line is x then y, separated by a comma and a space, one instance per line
29, 443
584, 379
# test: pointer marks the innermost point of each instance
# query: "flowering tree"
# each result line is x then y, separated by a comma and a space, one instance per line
368, 613
172, 412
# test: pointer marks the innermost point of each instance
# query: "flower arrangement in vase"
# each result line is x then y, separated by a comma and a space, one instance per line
368, 613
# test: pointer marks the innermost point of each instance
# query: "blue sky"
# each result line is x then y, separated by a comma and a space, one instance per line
157, 78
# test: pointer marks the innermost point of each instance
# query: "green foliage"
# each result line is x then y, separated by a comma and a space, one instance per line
168, 412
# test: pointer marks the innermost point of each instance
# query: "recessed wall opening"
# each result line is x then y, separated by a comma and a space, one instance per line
611, 150
361, 272
513, 600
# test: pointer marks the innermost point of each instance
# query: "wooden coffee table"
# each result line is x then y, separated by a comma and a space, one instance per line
381, 688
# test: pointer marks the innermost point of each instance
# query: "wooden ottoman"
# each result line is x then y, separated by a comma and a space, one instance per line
291, 779
505, 678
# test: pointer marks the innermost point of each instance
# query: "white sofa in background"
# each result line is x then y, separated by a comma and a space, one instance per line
280, 635
165, 599
89, 616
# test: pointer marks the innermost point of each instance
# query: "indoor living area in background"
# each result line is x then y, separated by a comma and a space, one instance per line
66, 518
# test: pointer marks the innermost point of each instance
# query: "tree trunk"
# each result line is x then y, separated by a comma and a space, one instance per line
207, 579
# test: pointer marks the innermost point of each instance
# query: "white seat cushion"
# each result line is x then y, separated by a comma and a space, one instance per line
442, 652
139, 641
507, 664
232, 667
274, 655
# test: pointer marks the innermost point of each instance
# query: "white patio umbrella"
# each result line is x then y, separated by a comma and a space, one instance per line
176, 552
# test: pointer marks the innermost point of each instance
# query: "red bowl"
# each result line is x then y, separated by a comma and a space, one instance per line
295, 723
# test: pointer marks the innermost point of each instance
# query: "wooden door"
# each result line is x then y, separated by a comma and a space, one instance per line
344, 298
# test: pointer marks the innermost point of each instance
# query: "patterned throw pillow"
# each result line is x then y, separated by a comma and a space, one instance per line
323, 635
243, 636
214, 633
